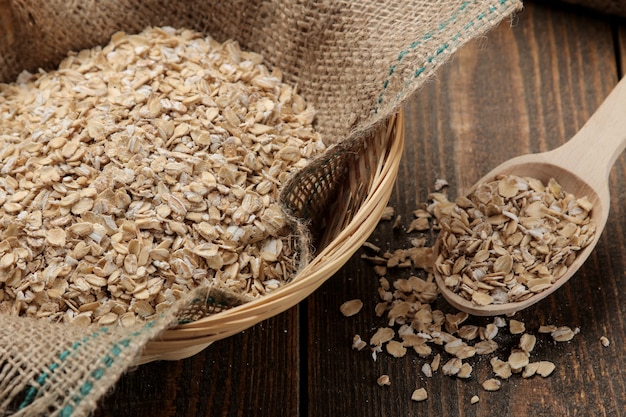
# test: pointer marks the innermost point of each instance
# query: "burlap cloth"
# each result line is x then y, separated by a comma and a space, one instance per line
355, 61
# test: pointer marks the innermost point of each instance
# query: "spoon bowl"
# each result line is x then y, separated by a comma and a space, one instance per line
582, 167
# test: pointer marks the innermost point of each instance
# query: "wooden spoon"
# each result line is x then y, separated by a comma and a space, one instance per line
582, 167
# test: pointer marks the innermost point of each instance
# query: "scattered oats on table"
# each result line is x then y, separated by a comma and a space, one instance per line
518, 359
545, 368
563, 334
516, 326
549, 328
142, 169
427, 370
452, 367
395, 348
492, 384
419, 394
465, 371
352, 307
527, 342
383, 380
358, 343
501, 368
444, 342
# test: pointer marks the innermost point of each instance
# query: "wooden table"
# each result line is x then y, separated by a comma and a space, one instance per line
527, 86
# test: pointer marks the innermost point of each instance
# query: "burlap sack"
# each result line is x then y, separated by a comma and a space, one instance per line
355, 61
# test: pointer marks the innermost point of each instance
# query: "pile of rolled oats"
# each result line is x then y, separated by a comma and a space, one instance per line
510, 239
140, 170
448, 343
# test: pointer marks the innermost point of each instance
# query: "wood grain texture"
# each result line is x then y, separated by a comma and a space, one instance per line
519, 89
254, 373
523, 89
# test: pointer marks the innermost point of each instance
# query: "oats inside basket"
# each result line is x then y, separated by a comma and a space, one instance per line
142, 169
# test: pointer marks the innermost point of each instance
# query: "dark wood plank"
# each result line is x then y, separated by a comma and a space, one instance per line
523, 89
254, 373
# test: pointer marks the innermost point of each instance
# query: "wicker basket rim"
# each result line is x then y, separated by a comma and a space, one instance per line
329, 260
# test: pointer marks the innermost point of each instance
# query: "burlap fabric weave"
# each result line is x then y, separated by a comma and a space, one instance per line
355, 61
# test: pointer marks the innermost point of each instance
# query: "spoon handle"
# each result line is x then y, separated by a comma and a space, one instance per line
592, 152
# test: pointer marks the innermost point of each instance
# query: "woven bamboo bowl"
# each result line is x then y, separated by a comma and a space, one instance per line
345, 198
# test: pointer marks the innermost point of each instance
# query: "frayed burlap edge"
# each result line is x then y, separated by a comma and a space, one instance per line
52, 369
